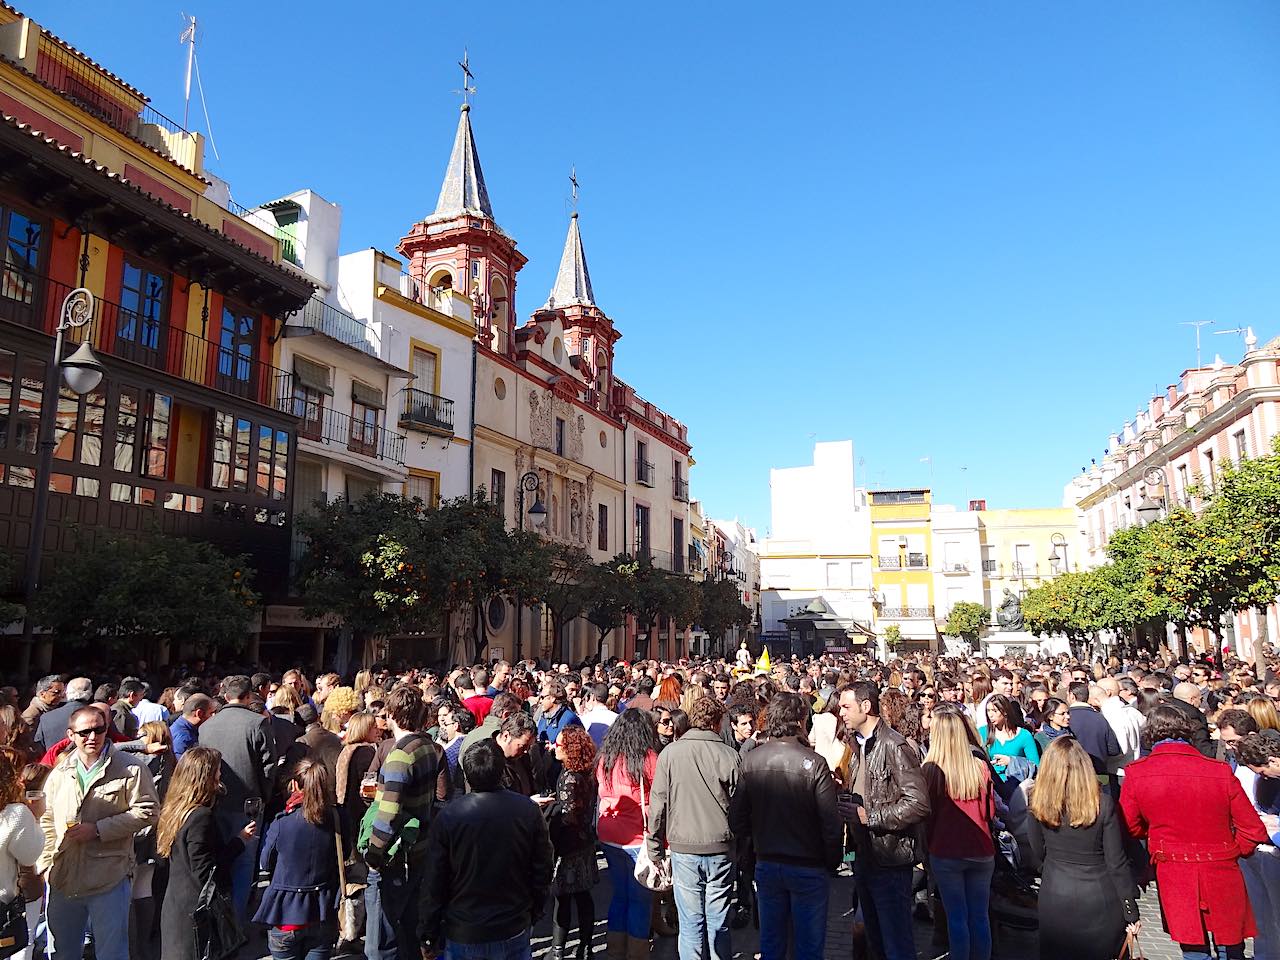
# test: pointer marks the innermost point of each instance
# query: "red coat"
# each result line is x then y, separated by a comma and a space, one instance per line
1198, 822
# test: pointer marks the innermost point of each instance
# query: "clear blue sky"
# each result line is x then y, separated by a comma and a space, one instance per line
965, 231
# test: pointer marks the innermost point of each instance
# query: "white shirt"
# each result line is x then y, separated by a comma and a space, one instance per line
146, 711
1127, 723
597, 723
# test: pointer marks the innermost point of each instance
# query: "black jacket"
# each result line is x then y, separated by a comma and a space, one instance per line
1199, 726
786, 804
897, 799
199, 852
1094, 733
488, 869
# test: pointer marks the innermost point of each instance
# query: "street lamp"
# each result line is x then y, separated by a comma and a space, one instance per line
1148, 511
1059, 555
83, 372
529, 483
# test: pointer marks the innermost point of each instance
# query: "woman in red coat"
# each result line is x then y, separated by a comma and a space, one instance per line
1198, 823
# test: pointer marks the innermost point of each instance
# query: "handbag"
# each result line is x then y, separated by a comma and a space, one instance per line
219, 934
650, 873
14, 935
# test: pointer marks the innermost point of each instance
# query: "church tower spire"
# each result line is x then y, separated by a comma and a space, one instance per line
463, 190
573, 280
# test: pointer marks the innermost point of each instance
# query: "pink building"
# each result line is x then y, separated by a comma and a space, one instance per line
1215, 414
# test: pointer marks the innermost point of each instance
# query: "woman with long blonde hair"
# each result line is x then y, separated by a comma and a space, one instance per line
1087, 894
1264, 713
188, 835
958, 834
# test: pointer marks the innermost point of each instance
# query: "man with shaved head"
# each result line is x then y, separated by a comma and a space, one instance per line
1126, 722
1186, 699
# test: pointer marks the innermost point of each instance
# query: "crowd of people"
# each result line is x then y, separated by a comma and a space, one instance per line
412, 812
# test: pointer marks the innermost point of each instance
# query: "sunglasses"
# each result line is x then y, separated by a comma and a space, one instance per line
665, 721
90, 732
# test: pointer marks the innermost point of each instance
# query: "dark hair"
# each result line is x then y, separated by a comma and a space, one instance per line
1257, 749
645, 684
706, 713
1165, 723
518, 725
131, 685
105, 692
579, 749
235, 687
404, 706
866, 690
260, 680
1010, 714
596, 691
785, 716
1238, 720
1078, 690
631, 738
312, 777
679, 720
740, 710
196, 701
505, 704
483, 764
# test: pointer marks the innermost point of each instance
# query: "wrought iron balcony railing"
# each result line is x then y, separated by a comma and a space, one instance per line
889, 562
906, 613
644, 472
337, 325
680, 489
322, 424
426, 411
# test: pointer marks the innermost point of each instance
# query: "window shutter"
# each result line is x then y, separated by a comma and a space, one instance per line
313, 375
369, 396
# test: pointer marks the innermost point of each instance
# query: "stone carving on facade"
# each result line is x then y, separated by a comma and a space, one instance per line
589, 519
578, 428
575, 516
540, 419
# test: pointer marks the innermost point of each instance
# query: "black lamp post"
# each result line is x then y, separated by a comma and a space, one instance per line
83, 372
529, 482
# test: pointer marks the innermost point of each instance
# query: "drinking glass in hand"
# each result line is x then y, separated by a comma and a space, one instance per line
253, 808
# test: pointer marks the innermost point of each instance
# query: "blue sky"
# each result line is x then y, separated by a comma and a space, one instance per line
967, 232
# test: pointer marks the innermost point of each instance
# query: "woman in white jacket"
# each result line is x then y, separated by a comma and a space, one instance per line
21, 840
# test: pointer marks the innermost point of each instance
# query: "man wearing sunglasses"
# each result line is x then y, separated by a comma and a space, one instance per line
96, 800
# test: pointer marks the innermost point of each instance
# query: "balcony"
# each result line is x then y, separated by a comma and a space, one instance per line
437, 298
321, 424
680, 489
955, 568
337, 325
906, 613
889, 563
427, 412
644, 473
671, 562
991, 568
231, 367
917, 561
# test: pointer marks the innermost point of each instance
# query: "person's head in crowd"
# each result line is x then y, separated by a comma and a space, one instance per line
237, 689
948, 688
1165, 722
362, 728
575, 749
629, 742
483, 764
1066, 786
742, 721
1077, 692
1260, 752
1081, 674
107, 693
950, 756
261, 683
516, 734
80, 690
339, 705
645, 685
787, 715
404, 708
197, 708
1233, 726
1263, 711
1002, 683
50, 690
298, 680
326, 683
1188, 692
194, 783
979, 688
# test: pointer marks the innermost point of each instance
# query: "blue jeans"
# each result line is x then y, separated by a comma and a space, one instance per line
1205, 952
519, 947
244, 870
703, 887
391, 912
313, 942
884, 894
793, 905
1262, 880
964, 883
107, 913
631, 902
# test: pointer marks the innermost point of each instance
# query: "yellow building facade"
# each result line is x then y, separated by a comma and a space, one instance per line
902, 582
1022, 549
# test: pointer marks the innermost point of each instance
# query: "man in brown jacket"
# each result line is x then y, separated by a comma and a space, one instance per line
96, 800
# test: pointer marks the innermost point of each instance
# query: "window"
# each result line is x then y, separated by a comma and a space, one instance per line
1182, 480
560, 436
1208, 470
273, 461
366, 418
159, 420
30, 400
425, 365
423, 487
237, 349
240, 462
22, 242
677, 544
230, 461
141, 317
308, 403
1239, 449
602, 527
641, 538
8, 361
498, 490
833, 575
126, 448
64, 424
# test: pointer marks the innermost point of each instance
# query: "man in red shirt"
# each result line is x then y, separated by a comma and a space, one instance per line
479, 703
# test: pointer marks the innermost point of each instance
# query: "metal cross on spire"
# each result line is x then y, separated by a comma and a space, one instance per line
468, 78
573, 180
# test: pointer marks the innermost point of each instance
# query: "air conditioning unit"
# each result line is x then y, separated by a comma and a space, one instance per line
902, 541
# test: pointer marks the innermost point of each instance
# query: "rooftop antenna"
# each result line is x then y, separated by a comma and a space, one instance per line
1250, 341
468, 78
189, 38
1197, 324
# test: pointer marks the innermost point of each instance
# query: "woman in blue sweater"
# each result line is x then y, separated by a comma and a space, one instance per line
1005, 736
301, 853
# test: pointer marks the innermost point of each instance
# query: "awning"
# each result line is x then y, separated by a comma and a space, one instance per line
312, 375
367, 395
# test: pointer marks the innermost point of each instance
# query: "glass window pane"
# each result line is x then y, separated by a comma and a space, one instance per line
266, 446
30, 398
21, 257
244, 433
95, 408
7, 363
158, 421
64, 427
280, 486
220, 476
126, 431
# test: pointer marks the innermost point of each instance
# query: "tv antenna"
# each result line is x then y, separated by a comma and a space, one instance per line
1197, 324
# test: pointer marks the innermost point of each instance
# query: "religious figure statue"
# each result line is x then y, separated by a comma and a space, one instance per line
1009, 614
744, 656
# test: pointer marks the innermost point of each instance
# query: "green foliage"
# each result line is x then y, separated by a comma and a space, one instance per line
892, 637
720, 608
967, 620
126, 591
610, 596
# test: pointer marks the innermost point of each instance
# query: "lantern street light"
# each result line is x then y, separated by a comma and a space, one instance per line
529, 483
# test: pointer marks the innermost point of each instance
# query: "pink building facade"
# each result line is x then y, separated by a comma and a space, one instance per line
1214, 415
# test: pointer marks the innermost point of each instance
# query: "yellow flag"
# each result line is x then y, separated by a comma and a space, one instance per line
763, 663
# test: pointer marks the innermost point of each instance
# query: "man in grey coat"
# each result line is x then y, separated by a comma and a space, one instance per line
689, 812
243, 736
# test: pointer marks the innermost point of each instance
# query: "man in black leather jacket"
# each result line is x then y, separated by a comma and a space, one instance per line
886, 814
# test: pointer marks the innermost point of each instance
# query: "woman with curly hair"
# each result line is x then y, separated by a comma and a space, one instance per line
573, 837
624, 774
341, 703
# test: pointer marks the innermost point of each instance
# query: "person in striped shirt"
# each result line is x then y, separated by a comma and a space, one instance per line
412, 779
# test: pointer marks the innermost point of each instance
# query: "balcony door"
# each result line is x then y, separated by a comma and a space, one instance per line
19, 289
140, 326
237, 352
